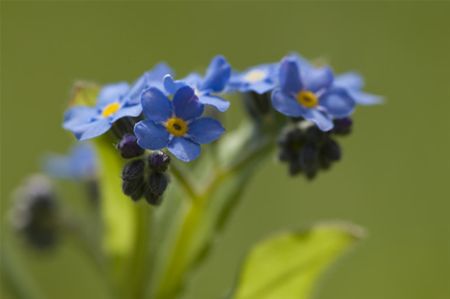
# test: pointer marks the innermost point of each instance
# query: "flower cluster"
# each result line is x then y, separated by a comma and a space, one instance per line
159, 112
146, 178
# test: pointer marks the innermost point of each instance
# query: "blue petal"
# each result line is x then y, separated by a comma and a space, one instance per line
58, 166
127, 111
205, 130
134, 94
217, 102
151, 135
320, 118
286, 104
172, 85
262, 87
350, 80
78, 116
316, 79
79, 164
112, 92
94, 129
156, 106
186, 104
363, 98
184, 149
289, 75
217, 75
337, 102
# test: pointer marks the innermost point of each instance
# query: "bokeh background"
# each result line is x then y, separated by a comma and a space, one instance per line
393, 180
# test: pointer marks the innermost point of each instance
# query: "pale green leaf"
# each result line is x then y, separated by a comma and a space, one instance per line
118, 211
288, 265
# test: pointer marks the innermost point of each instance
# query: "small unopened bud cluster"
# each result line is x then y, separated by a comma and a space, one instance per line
307, 149
35, 213
146, 177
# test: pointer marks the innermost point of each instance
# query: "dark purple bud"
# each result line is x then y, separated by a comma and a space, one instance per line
157, 183
152, 198
331, 150
134, 188
158, 161
128, 147
133, 170
309, 160
342, 126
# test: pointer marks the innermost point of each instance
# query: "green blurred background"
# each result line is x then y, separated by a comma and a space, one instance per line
393, 180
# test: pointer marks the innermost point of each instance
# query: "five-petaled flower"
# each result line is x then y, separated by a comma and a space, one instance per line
215, 81
112, 104
175, 124
259, 79
308, 92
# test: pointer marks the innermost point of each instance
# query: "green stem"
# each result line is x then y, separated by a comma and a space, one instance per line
185, 251
139, 264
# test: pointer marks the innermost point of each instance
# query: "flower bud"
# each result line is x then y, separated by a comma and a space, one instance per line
128, 147
152, 198
309, 160
134, 188
133, 170
342, 126
157, 183
158, 161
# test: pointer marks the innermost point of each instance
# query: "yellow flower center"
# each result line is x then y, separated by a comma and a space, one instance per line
255, 76
307, 99
176, 126
110, 109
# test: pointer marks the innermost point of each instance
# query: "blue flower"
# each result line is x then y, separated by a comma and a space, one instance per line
175, 124
353, 83
306, 91
215, 81
114, 102
259, 79
89, 122
80, 164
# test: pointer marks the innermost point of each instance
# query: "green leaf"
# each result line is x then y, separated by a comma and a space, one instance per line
118, 211
288, 265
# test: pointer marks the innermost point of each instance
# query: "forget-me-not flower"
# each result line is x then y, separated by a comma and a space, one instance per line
114, 102
175, 124
89, 122
306, 91
259, 79
215, 81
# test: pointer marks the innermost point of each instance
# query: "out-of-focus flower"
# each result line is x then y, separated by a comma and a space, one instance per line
215, 81
175, 124
35, 212
79, 164
306, 91
259, 79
